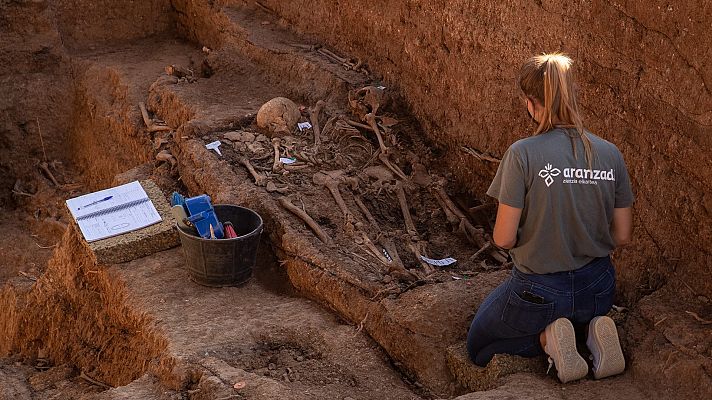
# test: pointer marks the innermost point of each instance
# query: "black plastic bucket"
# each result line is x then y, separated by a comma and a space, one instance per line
224, 262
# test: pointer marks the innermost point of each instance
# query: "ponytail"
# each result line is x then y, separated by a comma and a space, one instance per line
548, 79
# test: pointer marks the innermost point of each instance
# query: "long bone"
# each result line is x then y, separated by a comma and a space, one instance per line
383, 155
403, 202
306, 218
260, 180
416, 245
371, 119
396, 267
277, 165
328, 180
314, 118
331, 180
475, 234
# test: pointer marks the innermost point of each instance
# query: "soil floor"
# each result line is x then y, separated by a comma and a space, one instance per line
318, 320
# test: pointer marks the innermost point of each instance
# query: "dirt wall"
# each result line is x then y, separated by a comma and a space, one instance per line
90, 23
643, 86
35, 87
106, 338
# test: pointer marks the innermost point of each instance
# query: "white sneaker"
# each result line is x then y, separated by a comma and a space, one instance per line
561, 348
605, 348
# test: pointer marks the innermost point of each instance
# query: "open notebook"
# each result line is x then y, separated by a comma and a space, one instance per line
113, 211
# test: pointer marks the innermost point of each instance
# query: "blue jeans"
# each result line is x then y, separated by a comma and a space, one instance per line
511, 318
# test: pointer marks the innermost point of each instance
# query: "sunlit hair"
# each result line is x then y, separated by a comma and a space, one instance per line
548, 80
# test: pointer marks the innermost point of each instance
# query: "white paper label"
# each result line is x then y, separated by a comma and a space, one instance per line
285, 160
214, 146
304, 125
440, 263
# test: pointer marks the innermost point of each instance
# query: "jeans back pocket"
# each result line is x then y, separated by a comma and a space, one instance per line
526, 317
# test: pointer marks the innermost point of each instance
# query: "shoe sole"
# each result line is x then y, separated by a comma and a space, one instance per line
561, 347
605, 347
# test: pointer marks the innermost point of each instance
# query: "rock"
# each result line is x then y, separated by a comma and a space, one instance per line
248, 137
300, 358
271, 367
233, 135
278, 116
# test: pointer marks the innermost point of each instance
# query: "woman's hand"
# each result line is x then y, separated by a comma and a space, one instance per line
505, 228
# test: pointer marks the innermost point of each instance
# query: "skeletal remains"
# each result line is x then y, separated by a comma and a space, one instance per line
363, 228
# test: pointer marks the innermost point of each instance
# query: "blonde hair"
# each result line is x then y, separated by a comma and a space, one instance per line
548, 79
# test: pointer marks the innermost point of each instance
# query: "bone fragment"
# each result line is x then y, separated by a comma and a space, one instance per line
45, 167
260, 180
150, 124
165, 155
371, 119
367, 213
410, 226
480, 251
332, 55
327, 180
144, 114
396, 267
277, 165
294, 167
451, 217
357, 124
306, 218
329, 126
475, 234
314, 118
372, 247
418, 249
271, 188
372, 96
387, 162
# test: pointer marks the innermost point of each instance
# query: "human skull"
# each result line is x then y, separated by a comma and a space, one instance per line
278, 116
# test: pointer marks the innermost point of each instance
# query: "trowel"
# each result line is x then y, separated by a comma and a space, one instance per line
182, 219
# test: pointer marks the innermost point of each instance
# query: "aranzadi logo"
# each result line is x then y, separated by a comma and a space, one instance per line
548, 173
580, 176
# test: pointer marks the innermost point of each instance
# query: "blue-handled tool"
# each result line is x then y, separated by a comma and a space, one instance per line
201, 214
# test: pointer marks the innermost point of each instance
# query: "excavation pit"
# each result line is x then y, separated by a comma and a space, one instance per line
144, 329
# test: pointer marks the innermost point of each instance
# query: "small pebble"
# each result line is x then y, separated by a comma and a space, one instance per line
248, 137
386, 279
300, 358
271, 366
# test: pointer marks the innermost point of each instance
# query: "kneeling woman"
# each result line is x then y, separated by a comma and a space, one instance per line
564, 204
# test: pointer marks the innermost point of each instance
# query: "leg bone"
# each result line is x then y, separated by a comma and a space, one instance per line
314, 118
260, 180
306, 218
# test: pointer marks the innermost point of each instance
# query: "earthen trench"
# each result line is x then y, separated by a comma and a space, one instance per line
105, 122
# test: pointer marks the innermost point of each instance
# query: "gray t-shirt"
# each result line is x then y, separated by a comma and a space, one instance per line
567, 208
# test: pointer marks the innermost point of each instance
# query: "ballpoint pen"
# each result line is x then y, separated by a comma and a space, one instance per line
95, 202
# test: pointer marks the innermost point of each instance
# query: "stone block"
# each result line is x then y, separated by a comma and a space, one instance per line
141, 242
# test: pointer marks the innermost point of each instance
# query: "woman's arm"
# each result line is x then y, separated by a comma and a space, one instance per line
505, 228
621, 226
